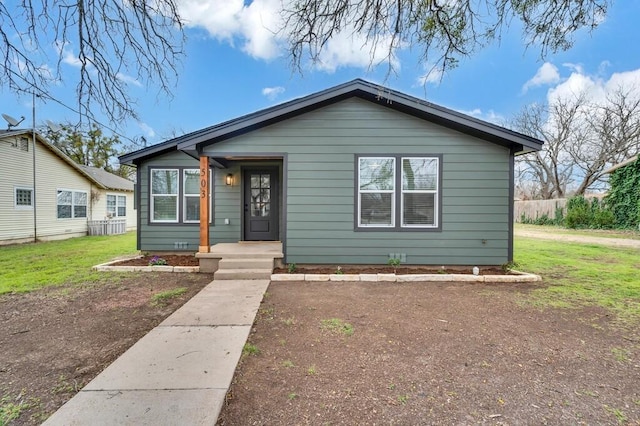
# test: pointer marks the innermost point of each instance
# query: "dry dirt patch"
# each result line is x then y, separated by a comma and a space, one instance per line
431, 353
56, 340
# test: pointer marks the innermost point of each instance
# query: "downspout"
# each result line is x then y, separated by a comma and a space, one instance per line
35, 205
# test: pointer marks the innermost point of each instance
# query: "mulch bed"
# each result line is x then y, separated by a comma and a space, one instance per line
172, 260
400, 270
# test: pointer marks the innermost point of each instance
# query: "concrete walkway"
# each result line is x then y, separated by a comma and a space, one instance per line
179, 373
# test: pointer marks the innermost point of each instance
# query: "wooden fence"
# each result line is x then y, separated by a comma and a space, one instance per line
107, 227
533, 209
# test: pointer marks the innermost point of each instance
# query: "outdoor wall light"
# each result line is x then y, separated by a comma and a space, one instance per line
228, 179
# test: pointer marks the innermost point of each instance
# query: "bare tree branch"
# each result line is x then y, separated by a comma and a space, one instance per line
111, 43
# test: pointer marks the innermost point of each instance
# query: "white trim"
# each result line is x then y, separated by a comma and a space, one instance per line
15, 198
419, 191
152, 196
73, 205
185, 196
377, 191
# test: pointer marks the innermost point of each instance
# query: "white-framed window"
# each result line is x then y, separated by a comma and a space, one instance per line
164, 195
23, 198
419, 192
398, 192
191, 194
71, 204
376, 192
182, 203
116, 205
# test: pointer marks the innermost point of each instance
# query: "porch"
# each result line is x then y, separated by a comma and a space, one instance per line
241, 260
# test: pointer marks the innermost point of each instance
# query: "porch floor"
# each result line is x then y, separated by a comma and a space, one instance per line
245, 249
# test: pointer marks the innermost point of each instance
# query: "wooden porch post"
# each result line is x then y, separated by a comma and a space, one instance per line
204, 205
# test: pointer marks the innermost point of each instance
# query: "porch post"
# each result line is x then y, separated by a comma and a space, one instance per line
204, 205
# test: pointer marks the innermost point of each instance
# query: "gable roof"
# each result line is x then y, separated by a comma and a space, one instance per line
101, 178
621, 165
192, 143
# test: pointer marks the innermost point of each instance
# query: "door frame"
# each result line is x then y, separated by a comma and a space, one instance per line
279, 195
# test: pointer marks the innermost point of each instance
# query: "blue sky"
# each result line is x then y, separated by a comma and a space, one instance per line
233, 66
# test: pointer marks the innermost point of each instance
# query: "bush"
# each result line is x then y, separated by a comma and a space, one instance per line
579, 213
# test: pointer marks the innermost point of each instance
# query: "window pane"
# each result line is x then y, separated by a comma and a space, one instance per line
164, 181
376, 174
64, 212
164, 208
419, 209
192, 182
79, 211
255, 181
111, 204
265, 181
23, 197
419, 174
122, 211
192, 208
65, 197
375, 209
122, 205
80, 198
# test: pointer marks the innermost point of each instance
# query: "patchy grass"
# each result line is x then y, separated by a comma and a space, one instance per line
337, 326
583, 274
28, 267
12, 406
250, 349
162, 298
601, 233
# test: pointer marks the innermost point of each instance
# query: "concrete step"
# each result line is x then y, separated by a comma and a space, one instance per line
242, 274
254, 263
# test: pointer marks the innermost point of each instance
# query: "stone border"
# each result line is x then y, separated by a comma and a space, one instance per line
110, 267
514, 277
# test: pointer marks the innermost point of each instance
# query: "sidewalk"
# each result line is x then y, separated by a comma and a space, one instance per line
179, 373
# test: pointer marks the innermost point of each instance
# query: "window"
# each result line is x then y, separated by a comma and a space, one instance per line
164, 195
71, 204
175, 196
116, 205
24, 198
398, 192
191, 191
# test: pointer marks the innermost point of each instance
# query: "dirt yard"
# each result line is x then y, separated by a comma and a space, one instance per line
55, 341
430, 353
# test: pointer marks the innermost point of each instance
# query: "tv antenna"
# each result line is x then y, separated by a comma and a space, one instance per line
12, 122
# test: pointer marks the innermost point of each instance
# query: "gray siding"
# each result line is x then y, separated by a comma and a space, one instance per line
321, 147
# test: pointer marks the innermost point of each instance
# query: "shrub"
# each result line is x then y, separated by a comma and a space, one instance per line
579, 212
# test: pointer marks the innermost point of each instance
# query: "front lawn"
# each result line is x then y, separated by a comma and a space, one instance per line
28, 267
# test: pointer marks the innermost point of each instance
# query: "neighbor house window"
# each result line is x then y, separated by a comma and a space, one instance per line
71, 204
24, 198
181, 201
116, 205
397, 192
164, 195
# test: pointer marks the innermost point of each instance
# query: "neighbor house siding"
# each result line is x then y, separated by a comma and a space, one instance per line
16, 170
59, 175
320, 186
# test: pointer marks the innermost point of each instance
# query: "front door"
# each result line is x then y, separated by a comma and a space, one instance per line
261, 204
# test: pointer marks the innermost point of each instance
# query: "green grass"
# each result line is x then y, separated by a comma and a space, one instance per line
250, 349
162, 298
11, 407
28, 267
336, 325
582, 274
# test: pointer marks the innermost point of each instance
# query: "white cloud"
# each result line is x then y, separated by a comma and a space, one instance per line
148, 130
258, 29
128, 79
547, 74
272, 92
255, 24
433, 75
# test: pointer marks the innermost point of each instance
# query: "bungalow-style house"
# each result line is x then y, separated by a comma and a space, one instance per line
355, 174
68, 198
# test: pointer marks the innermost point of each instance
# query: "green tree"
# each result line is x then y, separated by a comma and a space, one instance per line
90, 147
